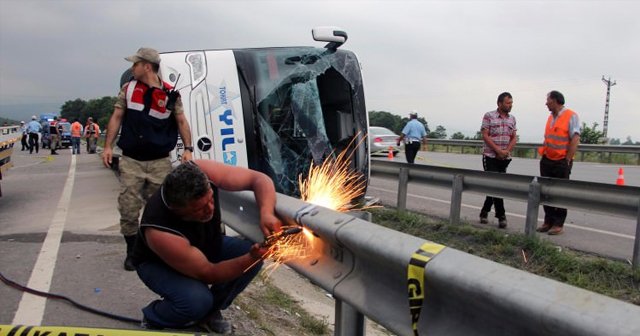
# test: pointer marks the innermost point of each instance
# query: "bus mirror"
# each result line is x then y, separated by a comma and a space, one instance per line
334, 35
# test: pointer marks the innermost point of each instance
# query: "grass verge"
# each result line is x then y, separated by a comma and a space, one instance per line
298, 318
608, 277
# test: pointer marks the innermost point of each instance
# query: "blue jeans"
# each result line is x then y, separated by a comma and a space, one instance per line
75, 143
186, 300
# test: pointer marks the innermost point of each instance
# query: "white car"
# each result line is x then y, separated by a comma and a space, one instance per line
381, 139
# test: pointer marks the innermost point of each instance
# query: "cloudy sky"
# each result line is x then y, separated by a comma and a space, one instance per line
447, 59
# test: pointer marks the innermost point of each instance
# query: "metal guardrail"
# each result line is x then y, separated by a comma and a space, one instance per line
590, 196
582, 148
364, 266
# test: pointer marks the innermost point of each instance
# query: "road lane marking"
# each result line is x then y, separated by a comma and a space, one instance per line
540, 220
31, 308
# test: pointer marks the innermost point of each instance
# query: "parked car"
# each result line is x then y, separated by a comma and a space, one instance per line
380, 139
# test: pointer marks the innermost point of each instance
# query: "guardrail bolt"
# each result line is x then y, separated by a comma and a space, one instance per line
337, 274
314, 212
338, 221
314, 261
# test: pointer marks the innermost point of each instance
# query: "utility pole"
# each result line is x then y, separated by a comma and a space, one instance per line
606, 107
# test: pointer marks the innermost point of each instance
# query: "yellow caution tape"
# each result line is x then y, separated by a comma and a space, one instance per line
415, 279
20, 330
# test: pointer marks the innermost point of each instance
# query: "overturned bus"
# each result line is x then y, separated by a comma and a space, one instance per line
274, 110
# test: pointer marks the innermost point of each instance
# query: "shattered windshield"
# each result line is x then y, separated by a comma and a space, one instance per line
309, 102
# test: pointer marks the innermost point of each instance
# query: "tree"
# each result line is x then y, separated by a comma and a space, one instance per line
590, 135
391, 121
629, 141
439, 133
386, 119
99, 109
72, 109
458, 136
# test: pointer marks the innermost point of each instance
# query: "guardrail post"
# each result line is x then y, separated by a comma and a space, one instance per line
349, 321
636, 243
533, 206
456, 198
403, 181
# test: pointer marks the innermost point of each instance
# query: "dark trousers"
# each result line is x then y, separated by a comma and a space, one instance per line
23, 141
33, 142
184, 299
558, 169
499, 166
411, 150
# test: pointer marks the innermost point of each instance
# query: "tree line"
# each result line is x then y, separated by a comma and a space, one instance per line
99, 109
588, 135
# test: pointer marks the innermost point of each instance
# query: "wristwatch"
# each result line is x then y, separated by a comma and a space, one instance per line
189, 148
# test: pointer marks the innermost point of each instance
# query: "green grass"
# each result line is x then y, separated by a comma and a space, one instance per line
614, 158
608, 277
311, 324
273, 296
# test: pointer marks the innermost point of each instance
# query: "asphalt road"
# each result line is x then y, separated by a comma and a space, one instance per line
610, 236
70, 200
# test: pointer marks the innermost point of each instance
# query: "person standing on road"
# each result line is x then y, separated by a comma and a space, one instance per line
561, 139
54, 135
181, 253
499, 135
76, 136
151, 117
25, 136
414, 135
91, 134
33, 129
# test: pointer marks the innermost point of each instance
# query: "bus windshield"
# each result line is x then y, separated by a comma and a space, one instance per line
309, 103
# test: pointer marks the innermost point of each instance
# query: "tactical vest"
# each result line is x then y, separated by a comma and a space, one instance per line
149, 131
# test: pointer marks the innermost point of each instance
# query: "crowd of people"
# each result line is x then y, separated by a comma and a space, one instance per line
50, 132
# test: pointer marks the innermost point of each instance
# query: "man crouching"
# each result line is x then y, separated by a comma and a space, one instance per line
181, 253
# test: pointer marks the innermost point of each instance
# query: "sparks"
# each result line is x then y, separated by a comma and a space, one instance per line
334, 184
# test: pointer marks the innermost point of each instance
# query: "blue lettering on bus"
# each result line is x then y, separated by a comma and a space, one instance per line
227, 134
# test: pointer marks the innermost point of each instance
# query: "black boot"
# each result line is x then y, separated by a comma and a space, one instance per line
128, 261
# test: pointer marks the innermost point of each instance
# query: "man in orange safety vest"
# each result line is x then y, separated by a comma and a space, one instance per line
561, 139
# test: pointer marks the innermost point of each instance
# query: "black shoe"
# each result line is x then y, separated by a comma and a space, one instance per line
483, 219
215, 323
54, 153
502, 222
128, 264
146, 324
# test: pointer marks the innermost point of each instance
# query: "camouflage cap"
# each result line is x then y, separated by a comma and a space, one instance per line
145, 54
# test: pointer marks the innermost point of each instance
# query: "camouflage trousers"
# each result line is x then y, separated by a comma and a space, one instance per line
138, 180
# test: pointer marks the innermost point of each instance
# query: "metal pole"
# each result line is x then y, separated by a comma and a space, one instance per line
533, 206
349, 321
605, 125
636, 243
403, 181
456, 198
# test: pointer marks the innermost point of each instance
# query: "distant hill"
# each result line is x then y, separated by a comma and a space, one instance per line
9, 122
25, 111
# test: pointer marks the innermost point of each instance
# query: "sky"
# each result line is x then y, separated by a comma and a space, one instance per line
449, 60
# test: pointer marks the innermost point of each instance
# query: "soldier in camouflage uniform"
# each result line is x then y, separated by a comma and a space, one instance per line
151, 116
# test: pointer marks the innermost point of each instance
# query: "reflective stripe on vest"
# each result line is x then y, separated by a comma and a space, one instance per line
135, 100
556, 137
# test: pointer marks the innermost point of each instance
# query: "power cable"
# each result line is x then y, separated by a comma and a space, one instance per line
17, 286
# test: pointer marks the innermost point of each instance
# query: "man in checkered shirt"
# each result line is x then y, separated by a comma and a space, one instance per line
499, 135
